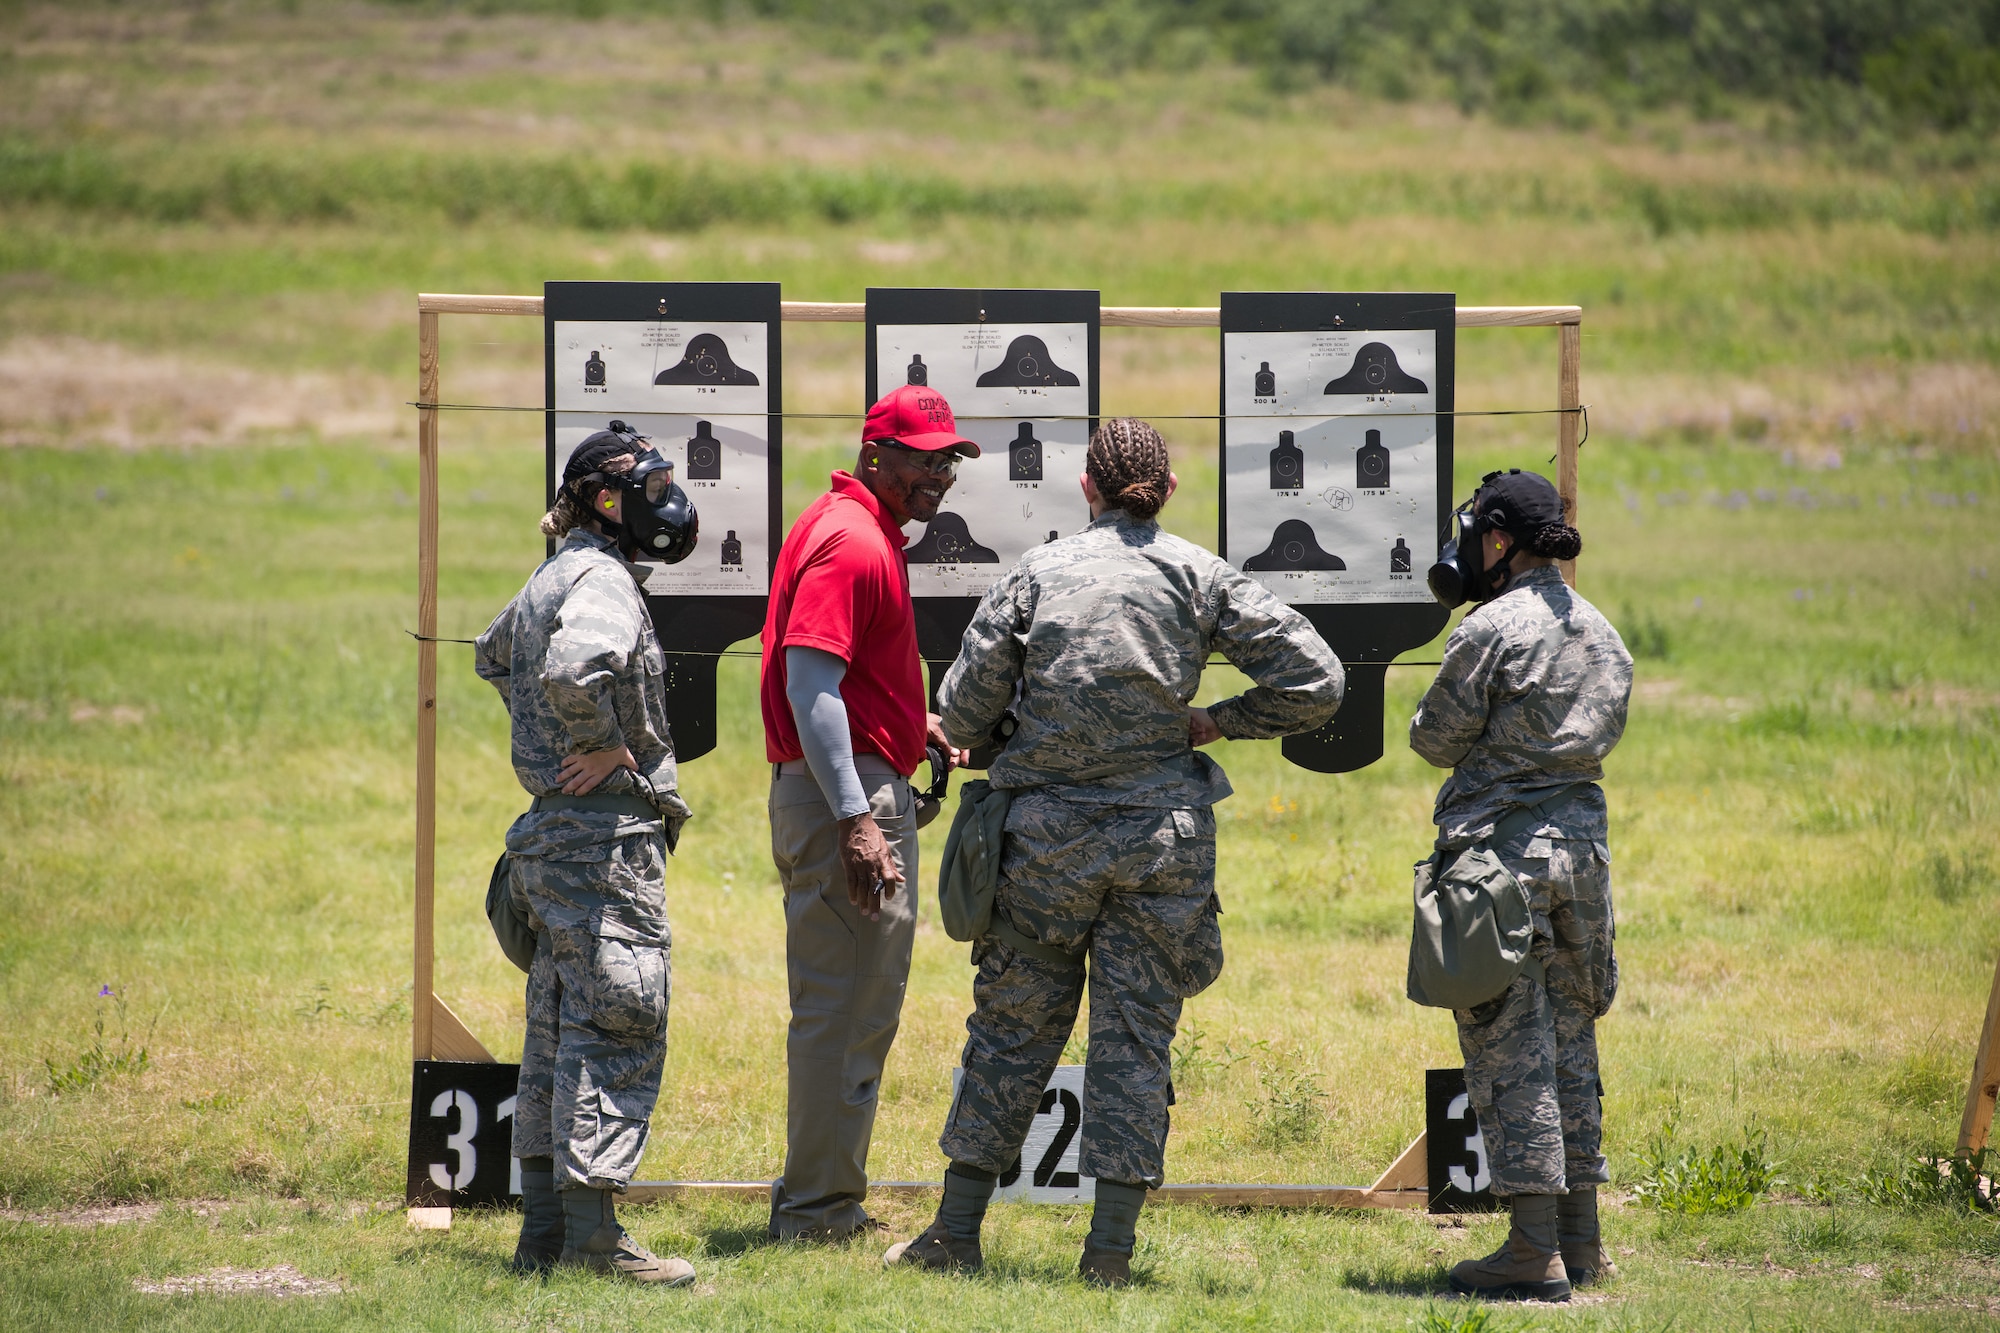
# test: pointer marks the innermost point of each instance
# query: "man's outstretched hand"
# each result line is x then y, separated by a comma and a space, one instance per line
871, 869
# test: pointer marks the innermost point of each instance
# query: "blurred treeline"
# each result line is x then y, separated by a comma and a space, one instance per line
1854, 71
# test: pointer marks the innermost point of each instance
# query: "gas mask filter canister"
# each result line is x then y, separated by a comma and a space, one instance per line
1460, 574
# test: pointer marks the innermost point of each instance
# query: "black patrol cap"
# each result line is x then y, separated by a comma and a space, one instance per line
1518, 503
597, 449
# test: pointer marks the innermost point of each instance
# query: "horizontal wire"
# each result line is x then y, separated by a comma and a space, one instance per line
748, 652
1583, 410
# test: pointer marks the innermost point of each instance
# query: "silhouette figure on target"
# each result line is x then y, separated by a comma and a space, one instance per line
706, 361
1293, 546
1288, 464
1024, 455
1399, 557
1375, 371
1267, 383
919, 373
593, 370
732, 550
1028, 365
704, 454
1371, 464
949, 542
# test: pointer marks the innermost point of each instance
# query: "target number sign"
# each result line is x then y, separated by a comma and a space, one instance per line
1048, 1169
462, 1134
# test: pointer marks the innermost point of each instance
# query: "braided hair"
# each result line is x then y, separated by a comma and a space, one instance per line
1557, 541
1129, 466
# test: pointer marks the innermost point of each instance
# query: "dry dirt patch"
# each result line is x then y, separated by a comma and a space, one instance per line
70, 391
282, 1281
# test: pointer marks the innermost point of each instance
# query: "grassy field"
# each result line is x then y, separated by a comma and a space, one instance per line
206, 695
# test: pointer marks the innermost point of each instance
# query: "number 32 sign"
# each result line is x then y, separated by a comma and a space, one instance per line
1047, 1171
461, 1134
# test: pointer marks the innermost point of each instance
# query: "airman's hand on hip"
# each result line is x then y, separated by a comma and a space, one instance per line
582, 774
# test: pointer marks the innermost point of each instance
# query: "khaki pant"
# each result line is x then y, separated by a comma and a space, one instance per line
847, 977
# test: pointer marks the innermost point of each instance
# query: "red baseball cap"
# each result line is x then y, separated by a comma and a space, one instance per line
918, 417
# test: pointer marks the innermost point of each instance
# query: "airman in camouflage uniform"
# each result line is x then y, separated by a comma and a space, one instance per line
575, 658
1096, 642
1530, 699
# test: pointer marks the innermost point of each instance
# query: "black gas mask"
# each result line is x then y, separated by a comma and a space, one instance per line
1460, 574
660, 522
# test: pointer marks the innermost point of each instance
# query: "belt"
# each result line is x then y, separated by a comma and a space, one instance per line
636, 806
863, 763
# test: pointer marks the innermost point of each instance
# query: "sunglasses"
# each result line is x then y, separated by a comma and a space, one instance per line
937, 462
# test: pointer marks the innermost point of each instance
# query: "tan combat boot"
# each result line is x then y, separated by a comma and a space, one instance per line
1583, 1249
594, 1240
1528, 1267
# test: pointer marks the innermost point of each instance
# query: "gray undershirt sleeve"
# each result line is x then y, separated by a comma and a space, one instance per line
812, 687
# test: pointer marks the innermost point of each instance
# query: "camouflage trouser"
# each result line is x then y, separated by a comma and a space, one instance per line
597, 1009
1138, 886
1531, 1052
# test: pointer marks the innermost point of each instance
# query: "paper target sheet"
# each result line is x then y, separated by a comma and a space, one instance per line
1331, 462
699, 391
1022, 393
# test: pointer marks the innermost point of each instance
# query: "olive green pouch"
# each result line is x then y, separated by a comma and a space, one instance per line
510, 923
1473, 931
969, 874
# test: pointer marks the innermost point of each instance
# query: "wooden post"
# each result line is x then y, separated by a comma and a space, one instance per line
1569, 423
1979, 1097
422, 1010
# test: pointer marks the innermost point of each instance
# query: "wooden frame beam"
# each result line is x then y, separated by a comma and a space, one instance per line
1111, 316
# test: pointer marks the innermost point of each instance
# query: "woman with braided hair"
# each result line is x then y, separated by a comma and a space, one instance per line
1096, 643
1529, 700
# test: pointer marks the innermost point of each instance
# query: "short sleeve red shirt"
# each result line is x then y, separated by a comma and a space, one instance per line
841, 586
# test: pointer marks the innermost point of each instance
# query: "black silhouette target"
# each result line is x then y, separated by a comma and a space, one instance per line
1028, 365
948, 541
1288, 464
1293, 546
1375, 371
706, 360
704, 453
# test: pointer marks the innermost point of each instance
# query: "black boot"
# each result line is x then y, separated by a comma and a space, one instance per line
951, 1243
541, 1242
1114, 1231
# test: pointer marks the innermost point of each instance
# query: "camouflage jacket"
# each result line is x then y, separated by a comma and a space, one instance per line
1531, 697
576, 661
1097, 642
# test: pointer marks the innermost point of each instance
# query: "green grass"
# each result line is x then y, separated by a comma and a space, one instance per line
206, 691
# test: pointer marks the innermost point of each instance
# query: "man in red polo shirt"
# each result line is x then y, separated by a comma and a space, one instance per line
844, 728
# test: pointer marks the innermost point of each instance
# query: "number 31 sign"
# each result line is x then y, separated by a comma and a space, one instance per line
462, 1135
